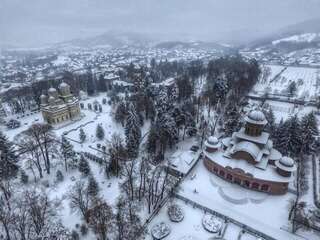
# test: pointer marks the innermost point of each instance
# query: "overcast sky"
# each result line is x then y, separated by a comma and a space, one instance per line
38, 22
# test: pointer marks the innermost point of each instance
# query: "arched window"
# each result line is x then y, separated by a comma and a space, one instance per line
246, 183
265, 188
237, 181
255, 185
221, 173
229, 177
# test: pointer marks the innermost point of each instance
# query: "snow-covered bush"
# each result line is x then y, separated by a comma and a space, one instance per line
160, 230
84, 229
59, 176
175, 213
212, 224
75, 235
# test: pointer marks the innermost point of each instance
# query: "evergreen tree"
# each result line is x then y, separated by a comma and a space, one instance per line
117, 153
162, 101
292, 88
100, 132
288, 140
91, 83
67, 151
93, 187
132, 132
83, 166
121, 113
231, 119
59, 176
185, 88
271, 126
24, 177
82, 135
8, 159
309, 128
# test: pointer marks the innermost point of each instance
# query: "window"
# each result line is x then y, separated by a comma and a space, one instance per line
246, 183
229, 177
215, 169
265, 188
255, 185
221, 173
237, 181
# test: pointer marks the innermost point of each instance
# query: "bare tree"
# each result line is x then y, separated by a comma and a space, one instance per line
80, 199
6, 218
40, 210
100, 219
32, 154
43, 137
117, 153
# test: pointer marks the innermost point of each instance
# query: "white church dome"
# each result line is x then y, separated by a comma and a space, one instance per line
286, 161
257, 115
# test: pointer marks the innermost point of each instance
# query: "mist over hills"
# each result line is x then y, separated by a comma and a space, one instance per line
300, 35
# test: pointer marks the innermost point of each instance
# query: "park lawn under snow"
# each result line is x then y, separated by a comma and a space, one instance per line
306, 79
109, 187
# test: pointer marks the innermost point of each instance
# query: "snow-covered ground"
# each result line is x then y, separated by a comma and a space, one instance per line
284, 110
307, 81
266, 213
190, 228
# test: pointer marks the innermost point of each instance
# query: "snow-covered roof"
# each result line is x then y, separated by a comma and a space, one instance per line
183, 161
268, 174
286, 164
212, 142
122, 83
256, 117
275, 154
262, 139
248, 147
63, 85
52, 90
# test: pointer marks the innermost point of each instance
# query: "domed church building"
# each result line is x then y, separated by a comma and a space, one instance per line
248, 158
59, 107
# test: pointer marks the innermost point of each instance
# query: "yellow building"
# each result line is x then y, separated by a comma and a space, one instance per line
59, 107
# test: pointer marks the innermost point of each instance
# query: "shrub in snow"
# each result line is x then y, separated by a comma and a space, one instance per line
75, 235
211, 223
45, 183
93, 187
84, 229
24, 177
316, 214
13, 123
175, 213
83, 166
160, 230
100, 132
59, 176
104, 101
82, 135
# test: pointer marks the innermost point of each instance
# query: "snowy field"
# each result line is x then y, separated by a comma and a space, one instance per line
266, 213
307, 81
284, 110
190, 228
